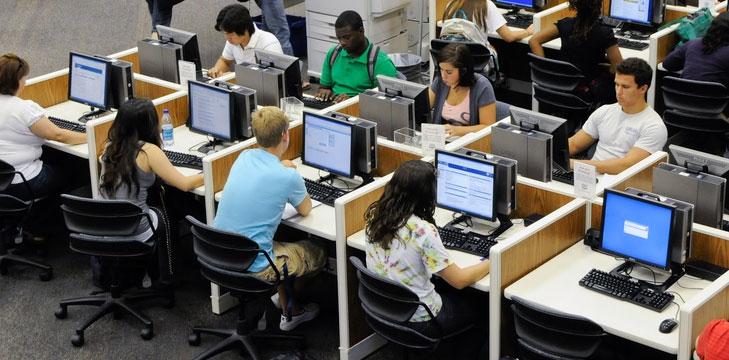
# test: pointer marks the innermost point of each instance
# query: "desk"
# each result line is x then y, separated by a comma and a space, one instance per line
71, 111
554, 286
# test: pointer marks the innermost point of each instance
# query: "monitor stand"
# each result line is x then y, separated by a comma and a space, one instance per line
209, 147
366, 179
91, 114
634, 31
504, 224
623, 270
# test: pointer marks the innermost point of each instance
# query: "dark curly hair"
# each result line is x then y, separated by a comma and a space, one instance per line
718, 34
411, 191
588, 16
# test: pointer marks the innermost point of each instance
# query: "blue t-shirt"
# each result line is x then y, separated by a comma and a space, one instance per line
254, 197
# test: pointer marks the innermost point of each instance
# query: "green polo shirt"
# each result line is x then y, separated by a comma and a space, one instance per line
348, 75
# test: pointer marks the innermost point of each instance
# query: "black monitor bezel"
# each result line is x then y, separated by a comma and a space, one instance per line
231, 117
191, 45
494, 164
351, 173
507, 5
560, 132
651, 15
623, 256
107, 81
291, 88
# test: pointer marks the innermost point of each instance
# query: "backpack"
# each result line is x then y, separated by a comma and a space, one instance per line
372, 54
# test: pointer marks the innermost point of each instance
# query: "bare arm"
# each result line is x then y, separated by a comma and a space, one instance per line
431, 98
304, 208
460, 278
616, 166
614, 56
547, 34
486, 116
46, 129
509, 35
579, 142
161, 165
221, 67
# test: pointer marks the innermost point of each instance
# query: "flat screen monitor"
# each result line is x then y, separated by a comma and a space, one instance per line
466, 185
633, 11
699, 161
89, 79
211, 111
548, 124
411, 90
524, 4
188, 41
328, 144
288, 64
637, 229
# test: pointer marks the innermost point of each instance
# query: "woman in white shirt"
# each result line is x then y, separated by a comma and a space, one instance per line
487, 17
23, 129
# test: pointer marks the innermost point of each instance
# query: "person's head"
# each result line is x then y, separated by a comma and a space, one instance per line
13, 72
236, 23
350, 31
411, 191
588, 14
135, 122
632, 80
271, 128
718, 34
474, 10
455, 65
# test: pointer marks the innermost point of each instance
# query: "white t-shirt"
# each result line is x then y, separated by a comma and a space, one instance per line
18, 145
618, 132
494, 18
260, 39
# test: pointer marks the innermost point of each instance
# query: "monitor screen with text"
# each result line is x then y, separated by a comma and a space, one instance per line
637, 11
327, 144
88, 79
465, 185
210, 110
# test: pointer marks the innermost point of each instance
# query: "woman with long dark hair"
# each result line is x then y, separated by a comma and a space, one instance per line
586, 41
705, 58
403, 245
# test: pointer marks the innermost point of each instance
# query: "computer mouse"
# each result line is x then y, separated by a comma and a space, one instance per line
667, 326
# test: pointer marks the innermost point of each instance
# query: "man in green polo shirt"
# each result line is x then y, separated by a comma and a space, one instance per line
349, 74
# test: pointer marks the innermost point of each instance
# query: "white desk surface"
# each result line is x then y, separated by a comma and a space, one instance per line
186, 142
71, 111
462, 259
554, 285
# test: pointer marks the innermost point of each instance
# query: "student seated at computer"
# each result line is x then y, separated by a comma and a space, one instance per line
345, 71
403, 245
585, 43
487, 17
241, 37
705, 58
23, 129
713, 342
461, 99
627, 131
130, 164
259, 186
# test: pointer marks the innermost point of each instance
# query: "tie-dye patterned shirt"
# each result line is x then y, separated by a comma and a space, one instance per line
415, 254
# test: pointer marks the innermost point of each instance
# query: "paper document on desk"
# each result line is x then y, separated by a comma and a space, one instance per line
432, 137
290, 211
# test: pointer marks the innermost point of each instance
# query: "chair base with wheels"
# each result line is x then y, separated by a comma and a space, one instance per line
8, 259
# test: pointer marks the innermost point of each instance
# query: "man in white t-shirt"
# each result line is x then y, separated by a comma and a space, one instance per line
241, 36
627, 131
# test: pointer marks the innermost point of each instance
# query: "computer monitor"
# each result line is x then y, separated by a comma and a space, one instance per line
89, 79
273, 76
699, 161
211, 111
637, 229
188, 41
640, 12
466, 185
519, 4
410, 90
548, 124
291, 67
328, 144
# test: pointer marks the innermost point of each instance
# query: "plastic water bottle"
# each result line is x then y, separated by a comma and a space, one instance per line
168, 138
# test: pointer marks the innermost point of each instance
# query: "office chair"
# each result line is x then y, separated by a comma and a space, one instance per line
697, 108
542, 334
388, 305
484, 62
13, 214
105, 228
224, 259
556, 83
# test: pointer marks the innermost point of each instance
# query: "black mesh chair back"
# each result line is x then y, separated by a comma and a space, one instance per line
387, 305
555, 74
225, 257
695, 105
542, 334
480, 53
12, 209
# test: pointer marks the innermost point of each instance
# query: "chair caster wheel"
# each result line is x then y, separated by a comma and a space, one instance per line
61, 313
147, 333
77, 339
194, 339
46, 275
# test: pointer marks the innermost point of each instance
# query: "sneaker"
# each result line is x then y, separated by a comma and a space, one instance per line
311, 310
274, 299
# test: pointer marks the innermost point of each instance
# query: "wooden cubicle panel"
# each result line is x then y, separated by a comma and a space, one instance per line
101, 133
530, 200
296, 143
143, 89
483, 144
134, 59
543, 245
556, 16
666, 44
715, 308
389, 159
221, 168
642, 180
709, 248
354, 210
351, 110
47, 92
595, 216
178, 110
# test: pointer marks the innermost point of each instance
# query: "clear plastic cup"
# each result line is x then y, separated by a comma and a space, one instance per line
292, 107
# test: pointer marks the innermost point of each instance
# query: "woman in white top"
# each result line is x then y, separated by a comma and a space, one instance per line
487, 17
23, 129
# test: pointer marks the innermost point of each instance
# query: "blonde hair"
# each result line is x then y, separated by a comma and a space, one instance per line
475, 10
269, 123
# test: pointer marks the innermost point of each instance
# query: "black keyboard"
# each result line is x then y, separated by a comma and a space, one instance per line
68, 125
521, 21
471, 243
630, 44
316, 104
184, 160
567, 177
627, 290
322, 192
